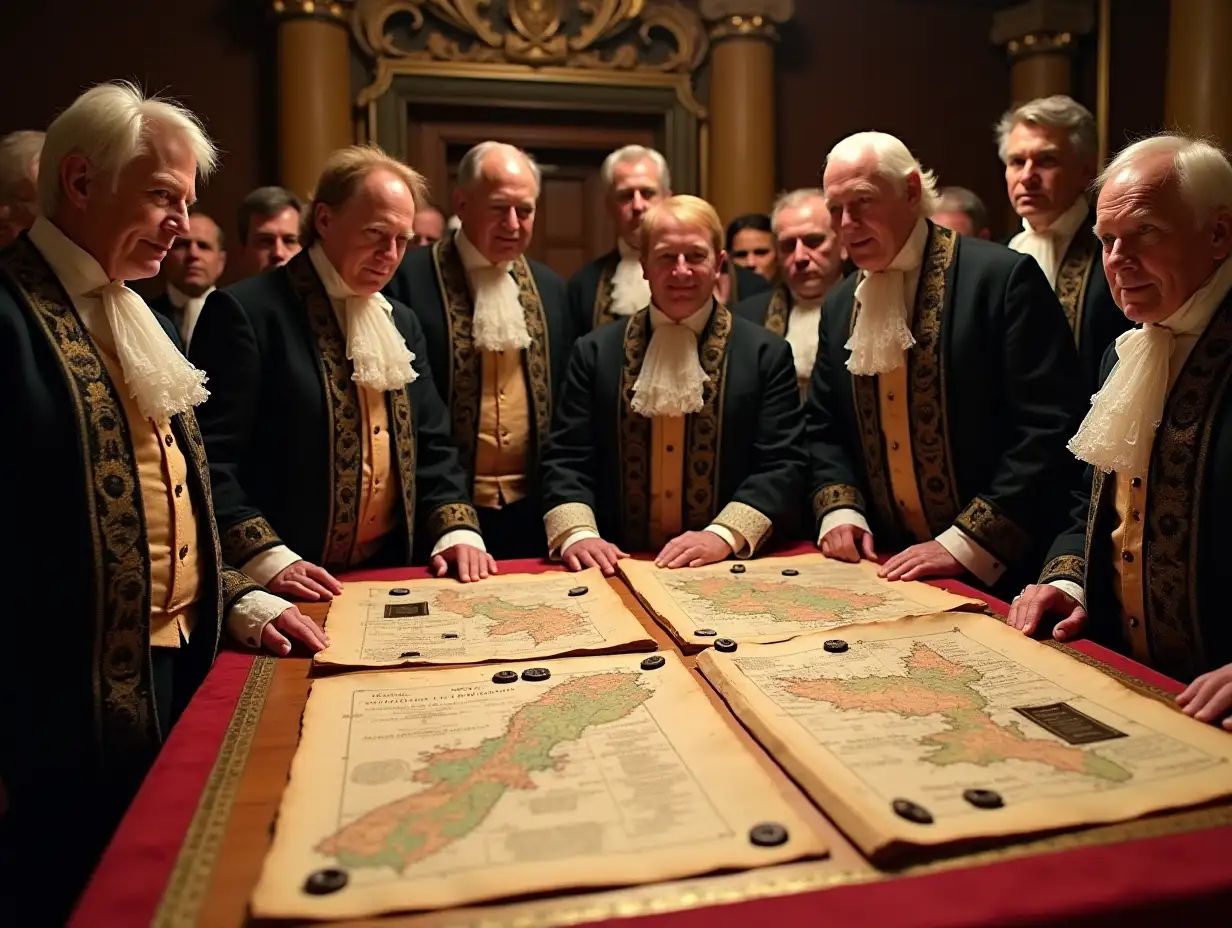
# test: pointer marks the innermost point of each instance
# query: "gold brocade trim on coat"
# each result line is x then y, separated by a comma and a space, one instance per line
994, 531
465, 373
560, 521
538, 355
749, 522
927, 401
342, 413
234, 585
1073, 277
634, 443
701, 461
778, 310
450, 517
126, 723
1069, 567
1175, 488
401, 415
1099, 481
245, 540
194, 442
603, 292
836, 496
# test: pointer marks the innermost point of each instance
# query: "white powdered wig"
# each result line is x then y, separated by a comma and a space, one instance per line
632, 153
1202, 170
894, 162
791, 199
109, 125
472, 167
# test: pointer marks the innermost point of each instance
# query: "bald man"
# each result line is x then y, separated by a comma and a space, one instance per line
191, 271
498, 336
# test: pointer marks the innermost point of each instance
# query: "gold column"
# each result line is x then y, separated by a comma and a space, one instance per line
741, 162
1199, 85
314, 87
1040, 37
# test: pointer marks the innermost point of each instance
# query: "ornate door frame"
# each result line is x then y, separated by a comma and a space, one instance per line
618, 56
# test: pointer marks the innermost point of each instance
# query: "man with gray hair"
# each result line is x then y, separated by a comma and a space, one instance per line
962, 211
614, 285
1049, 149
1140, 568
109, 506
810, 263
19, 161
498, 336
945, 386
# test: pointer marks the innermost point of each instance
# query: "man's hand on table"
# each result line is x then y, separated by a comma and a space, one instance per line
592, 552
304, 581
294, 623
1209, 698
1039, 600
848, 543
693, 549
921, 562
472, 563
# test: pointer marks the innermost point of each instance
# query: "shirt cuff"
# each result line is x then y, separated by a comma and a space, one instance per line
573, 537
973, 557
735, 541
836, 517
249, 615
1072, 590
270, 563
459, 536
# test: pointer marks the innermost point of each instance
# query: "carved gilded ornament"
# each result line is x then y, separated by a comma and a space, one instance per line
603, 34
745, 18
338, 10
1039, 44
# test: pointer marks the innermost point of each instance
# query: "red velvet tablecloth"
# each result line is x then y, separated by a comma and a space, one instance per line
1178, 877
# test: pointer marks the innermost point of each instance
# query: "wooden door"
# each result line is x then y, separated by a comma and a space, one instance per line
571, 225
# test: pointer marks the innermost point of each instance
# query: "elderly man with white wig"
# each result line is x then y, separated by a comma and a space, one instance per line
1140, 567
945, 388
118, 579
498, 334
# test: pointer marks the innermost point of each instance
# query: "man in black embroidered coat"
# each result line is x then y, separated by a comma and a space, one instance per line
119, 589
329, 446
1141, 570
498, 335
678, 429
945, 387
1049, 148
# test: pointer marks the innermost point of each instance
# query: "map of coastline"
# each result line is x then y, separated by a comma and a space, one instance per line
465, 785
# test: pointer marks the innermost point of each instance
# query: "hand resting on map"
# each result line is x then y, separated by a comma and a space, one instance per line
1209, 698
693, 549
472, 563
592, 552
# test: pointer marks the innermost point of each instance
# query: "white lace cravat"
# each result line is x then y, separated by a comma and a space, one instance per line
802, 324
630, 289
1118, 432
881, 334
499, 321
671, 380
1048, 246
156, 374
379, 357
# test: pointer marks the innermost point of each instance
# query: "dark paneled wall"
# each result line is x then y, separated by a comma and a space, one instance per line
922, 69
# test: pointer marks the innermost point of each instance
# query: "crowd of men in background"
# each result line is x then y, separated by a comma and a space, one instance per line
862, 367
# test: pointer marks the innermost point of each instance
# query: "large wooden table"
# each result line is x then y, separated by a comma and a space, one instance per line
190, 849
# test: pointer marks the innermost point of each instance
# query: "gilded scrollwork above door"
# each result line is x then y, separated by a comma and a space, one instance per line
639, 36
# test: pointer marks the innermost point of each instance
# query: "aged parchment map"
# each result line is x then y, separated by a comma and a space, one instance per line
950, 727
422, 790
514, 617
776, 598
